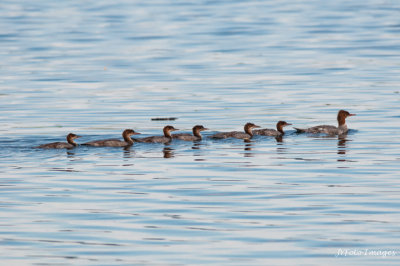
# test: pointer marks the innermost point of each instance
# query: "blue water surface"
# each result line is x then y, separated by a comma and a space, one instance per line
96, 68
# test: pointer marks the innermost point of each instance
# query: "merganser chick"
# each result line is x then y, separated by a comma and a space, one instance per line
62, 145
196, 134
330, 130
272, 132
160, 139
248, 133
115, 142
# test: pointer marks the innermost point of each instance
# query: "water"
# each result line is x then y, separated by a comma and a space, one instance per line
95, 68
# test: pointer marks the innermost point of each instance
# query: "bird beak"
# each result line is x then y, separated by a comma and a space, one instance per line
288, 124
175, 129
78, 136
136, 133
352, 114
255, 126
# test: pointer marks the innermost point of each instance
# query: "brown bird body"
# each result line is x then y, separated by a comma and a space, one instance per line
328, 129
247, 134
160, 139
272, 132
62, 145
126, 135
187, 137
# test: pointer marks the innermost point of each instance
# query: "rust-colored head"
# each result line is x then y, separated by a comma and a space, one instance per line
281, 124
72, 136
249, 127
342, 115
199, 128
167, 131
127, 135
129, 132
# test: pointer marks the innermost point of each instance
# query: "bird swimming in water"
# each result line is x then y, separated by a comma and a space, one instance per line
196, 134
327, 129
160, 139
247, 134
61, 145
115, 142
272, 132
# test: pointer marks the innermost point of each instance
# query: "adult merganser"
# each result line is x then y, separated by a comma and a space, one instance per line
160, 139
330, 130
115, 142
61, 145
272, 132
196, 134
248, 133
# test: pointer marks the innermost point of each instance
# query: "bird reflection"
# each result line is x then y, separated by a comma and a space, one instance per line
198, 152
168, 152
70, 154
279, 139
197, 145
342, 139
128, 153
281, 148
248, 147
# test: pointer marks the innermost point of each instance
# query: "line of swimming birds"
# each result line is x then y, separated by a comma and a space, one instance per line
168, 137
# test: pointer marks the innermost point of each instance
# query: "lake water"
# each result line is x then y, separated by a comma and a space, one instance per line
97, 67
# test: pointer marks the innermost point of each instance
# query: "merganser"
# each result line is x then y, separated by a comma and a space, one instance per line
196, 134
248, 133
160, 139
115, 142
272, 132
330, 130
61, 145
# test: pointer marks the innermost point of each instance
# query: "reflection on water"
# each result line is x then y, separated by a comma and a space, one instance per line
128, 152
98, 67
279, 139
342, 139
168, 152
281, 147
70, 154
199, 150
197, 145
248, 148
